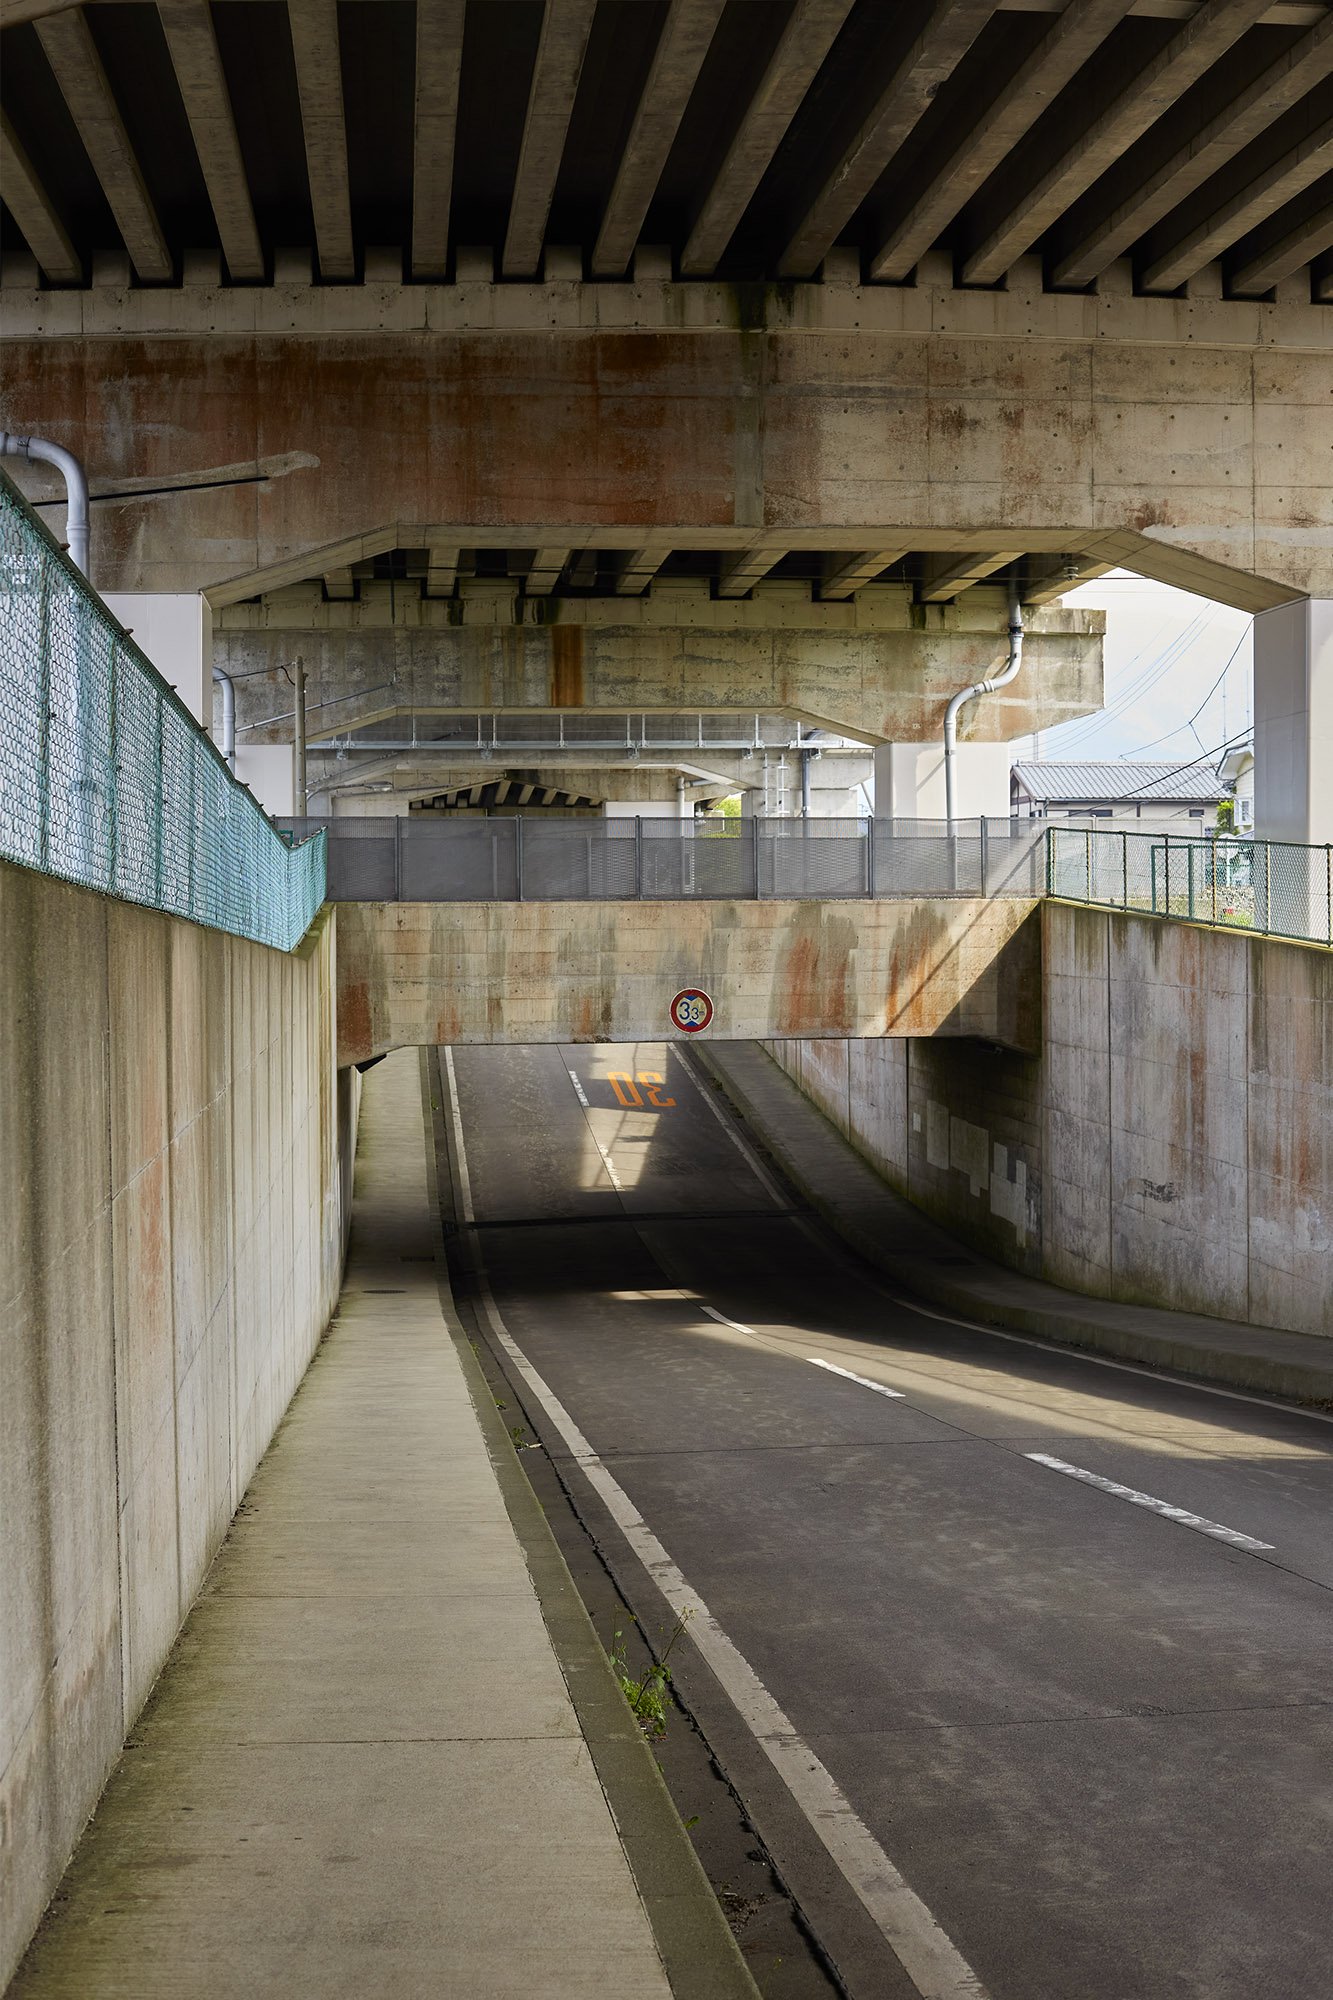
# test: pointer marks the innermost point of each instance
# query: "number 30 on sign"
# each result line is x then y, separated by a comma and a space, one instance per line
691, 1011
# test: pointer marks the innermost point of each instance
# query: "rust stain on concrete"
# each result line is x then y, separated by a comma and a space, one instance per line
566, 666
355, 1037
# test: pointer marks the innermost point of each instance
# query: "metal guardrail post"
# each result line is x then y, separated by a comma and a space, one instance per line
1328, 895
1124, 871
870, 857
44, 724
754, 842
113, 803
398, 826
985, 845
1189, 876
1268, 887
157, 816
1087, 864
518, 854
638, 857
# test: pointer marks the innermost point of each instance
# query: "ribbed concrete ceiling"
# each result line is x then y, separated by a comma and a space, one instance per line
748, 137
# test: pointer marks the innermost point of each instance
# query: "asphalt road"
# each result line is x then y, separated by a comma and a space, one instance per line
1097, 1742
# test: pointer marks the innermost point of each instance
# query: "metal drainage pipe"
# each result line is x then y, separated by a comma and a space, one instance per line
999, 680
227, 745
76, 487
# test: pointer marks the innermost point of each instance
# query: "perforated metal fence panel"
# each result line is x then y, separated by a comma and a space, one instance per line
531, 859
106, 779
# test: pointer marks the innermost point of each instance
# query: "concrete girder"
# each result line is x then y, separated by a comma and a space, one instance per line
1288, 177
314, 27
1077, 33
188, 27
948, 33
69, 47
439, 66
739, 577
545, 573
1153, 91
684, 42
1181, 438
1281, 86
942, 584
640, 568
1271, 257
878, 686
441, 570
792, 68
846, 576
35, 212
566, 25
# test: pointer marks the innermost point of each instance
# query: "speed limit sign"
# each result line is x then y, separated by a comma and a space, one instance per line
691, 1011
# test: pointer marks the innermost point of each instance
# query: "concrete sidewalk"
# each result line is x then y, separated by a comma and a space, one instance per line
889, 1232
362, 1772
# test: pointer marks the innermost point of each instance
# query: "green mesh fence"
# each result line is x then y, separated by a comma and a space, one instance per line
1273, 886
107, 780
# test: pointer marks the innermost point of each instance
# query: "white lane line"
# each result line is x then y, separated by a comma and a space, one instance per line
931, 1961
460, 1155
579, 1091
722, 1320
864, 1380
1137, 1499
607, 1161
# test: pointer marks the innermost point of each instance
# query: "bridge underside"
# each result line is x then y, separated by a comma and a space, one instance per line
415, 974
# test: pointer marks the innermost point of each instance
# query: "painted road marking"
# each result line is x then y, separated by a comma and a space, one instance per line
722, 1320
1163, 1507
460, 1156
864, 1380
931, 1961
607, 1161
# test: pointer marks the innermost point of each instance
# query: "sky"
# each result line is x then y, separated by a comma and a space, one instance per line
1172, 661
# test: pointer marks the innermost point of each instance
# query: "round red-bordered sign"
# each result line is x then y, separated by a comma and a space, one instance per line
691, 1011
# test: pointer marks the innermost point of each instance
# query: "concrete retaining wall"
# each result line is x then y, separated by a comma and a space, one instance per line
173, 1140
412, 973
1171, 1146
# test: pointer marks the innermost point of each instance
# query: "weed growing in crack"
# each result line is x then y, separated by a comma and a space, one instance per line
647, 1697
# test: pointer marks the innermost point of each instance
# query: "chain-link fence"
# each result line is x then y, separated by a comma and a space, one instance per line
107, 780
520, 859
1272, 886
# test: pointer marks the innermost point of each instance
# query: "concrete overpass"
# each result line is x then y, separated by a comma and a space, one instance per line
646, 315
571, 362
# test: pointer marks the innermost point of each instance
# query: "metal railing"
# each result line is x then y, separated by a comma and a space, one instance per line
107, 780
518, 859
1275, 887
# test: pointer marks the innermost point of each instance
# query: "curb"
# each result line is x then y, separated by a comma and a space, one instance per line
701, 1956
1052, 1314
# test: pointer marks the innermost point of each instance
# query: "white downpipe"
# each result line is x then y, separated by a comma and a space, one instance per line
76, 487
999, 680
228, 743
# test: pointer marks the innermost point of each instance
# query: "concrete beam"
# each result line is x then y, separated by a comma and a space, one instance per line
849, 575
1045, 584
188, 27
793, 66
1186, 57
566, 25
545, 573
413, 974
34, 211
314, 26
879, 685
639, 570
942, 585
1075, 37
441, 571
69, 47
949, 32
439, 63
1276, 257
1288, 177
1246, 118
684, 42
738, 578
340, 586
